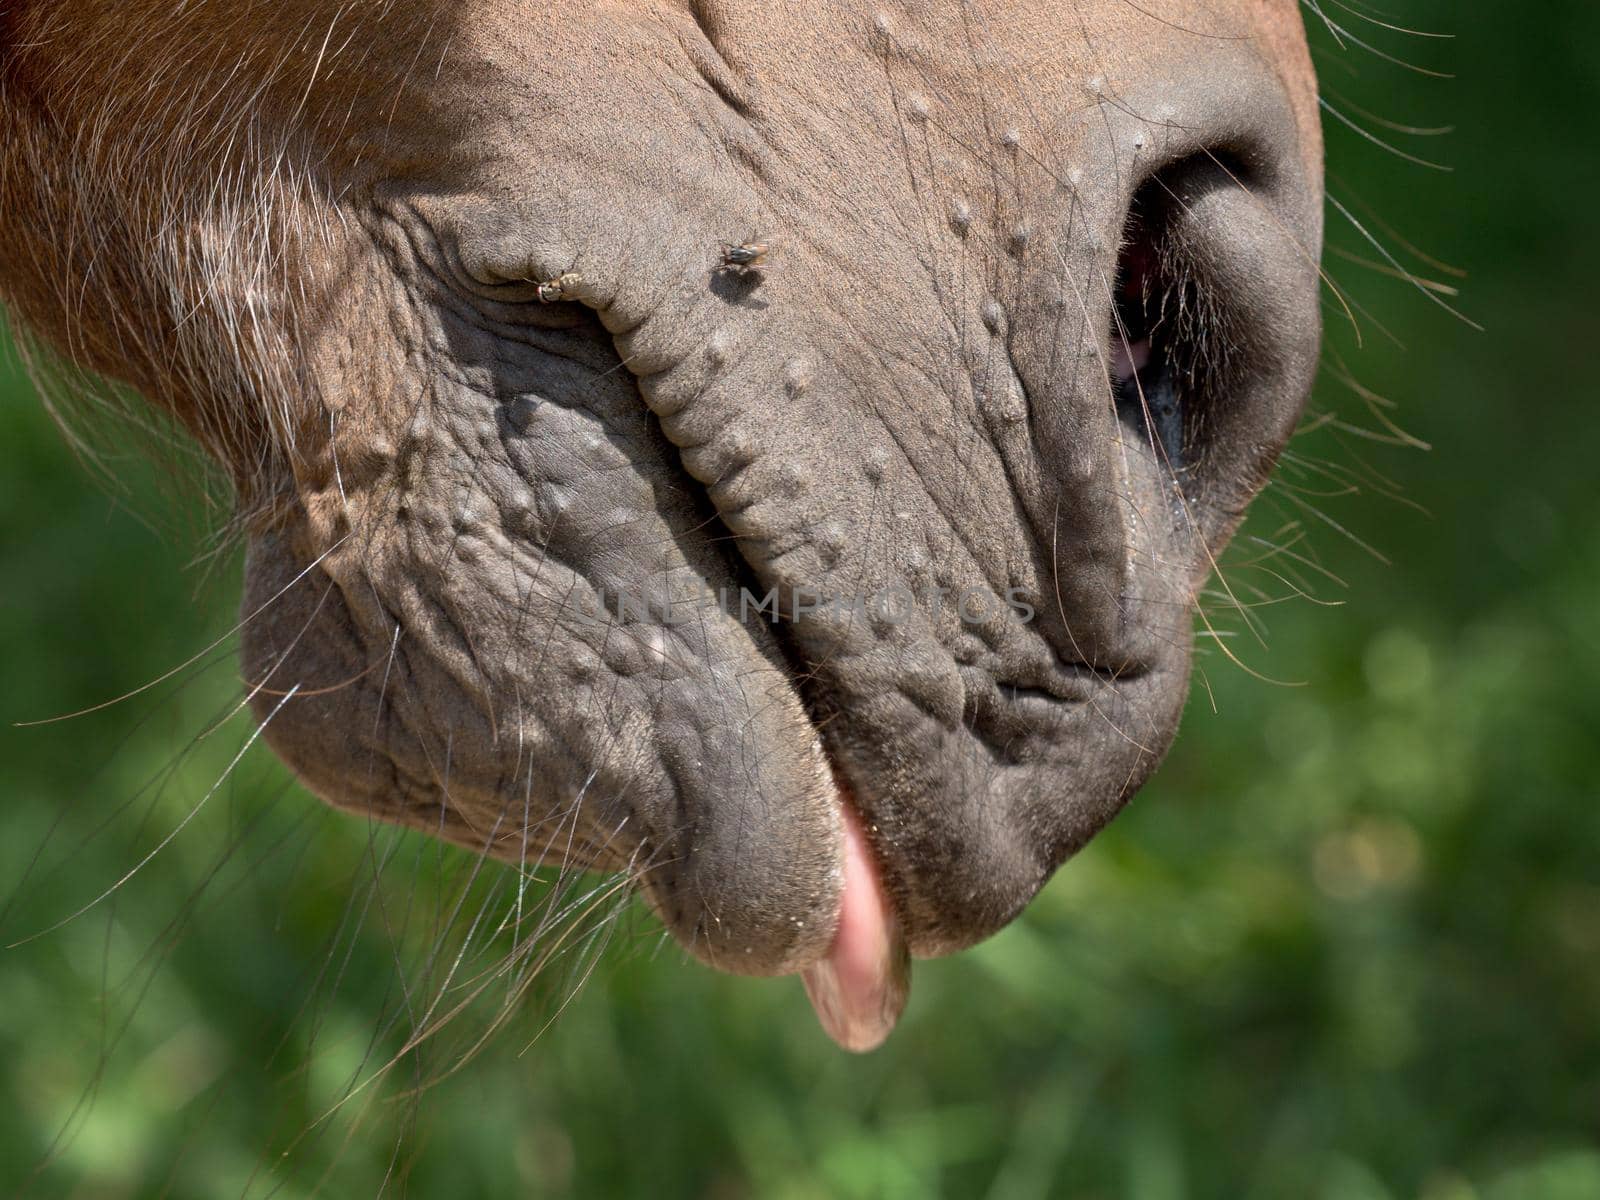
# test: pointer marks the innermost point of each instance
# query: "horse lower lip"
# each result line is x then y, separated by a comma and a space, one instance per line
859, 987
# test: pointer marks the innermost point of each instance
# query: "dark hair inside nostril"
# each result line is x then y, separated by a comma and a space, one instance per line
1168, 339
1146, 296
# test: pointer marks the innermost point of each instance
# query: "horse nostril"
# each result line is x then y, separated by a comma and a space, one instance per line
1148, 304
1214, 322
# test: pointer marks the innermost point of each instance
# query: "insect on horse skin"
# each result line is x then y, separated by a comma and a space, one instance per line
745, 256
553, 291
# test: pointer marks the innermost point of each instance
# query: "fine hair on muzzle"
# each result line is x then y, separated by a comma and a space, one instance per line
769, 455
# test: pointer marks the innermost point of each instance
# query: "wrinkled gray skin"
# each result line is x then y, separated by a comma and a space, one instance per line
914, 392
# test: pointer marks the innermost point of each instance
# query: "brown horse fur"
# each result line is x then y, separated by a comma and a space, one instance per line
315, 234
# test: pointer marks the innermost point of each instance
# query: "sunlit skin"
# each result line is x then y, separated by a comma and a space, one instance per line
466, 303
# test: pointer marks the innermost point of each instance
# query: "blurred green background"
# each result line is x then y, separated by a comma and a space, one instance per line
1347, 946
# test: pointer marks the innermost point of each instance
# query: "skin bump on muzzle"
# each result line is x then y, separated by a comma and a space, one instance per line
770, 455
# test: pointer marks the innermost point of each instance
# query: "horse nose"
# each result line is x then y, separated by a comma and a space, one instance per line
1172, 342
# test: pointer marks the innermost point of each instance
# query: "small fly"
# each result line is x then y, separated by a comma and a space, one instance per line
745, 256
552, 291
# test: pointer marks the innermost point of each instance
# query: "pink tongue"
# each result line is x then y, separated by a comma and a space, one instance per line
860, 986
